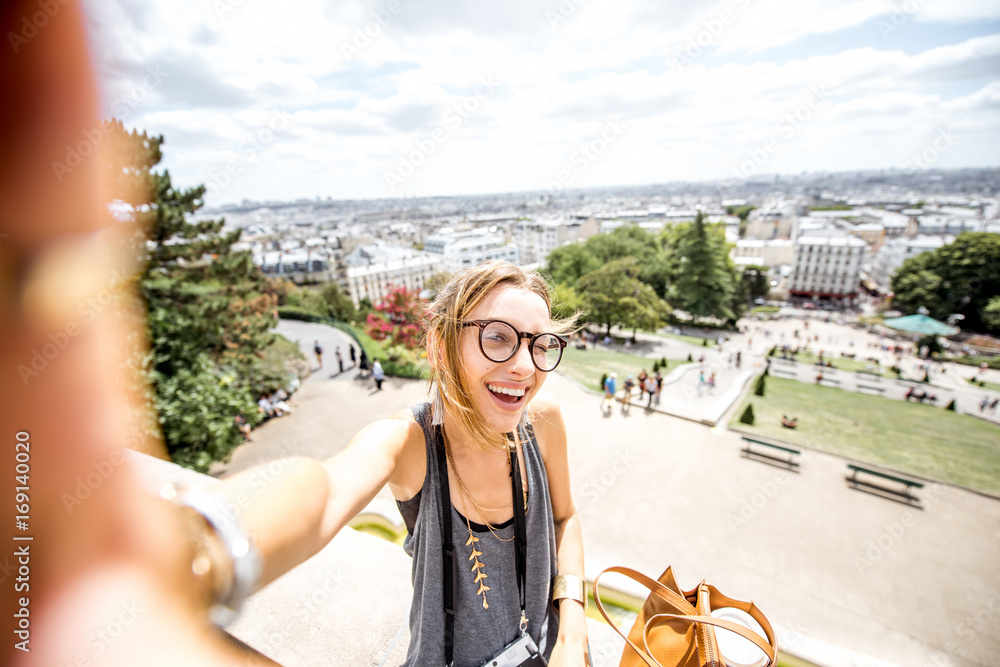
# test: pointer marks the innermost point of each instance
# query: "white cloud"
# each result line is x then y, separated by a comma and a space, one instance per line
352, 120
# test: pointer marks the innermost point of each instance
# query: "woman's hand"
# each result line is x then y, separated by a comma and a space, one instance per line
571, 644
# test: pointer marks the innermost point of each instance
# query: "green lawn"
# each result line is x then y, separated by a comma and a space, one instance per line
992, 386
909, 437
850, 365
587, 366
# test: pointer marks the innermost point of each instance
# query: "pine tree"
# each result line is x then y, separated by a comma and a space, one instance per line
704, 282
747, 416
759, 386
208, 315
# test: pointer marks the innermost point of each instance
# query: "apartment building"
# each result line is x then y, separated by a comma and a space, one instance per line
827, 266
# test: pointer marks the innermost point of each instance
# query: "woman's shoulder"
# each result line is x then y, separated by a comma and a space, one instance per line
546, 415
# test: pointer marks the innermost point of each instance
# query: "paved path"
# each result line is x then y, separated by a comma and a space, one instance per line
848, 578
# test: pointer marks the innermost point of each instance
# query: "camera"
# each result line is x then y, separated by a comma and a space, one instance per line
520, 653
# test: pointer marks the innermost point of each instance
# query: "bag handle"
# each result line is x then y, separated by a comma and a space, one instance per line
679, 602
769, 650
655, 587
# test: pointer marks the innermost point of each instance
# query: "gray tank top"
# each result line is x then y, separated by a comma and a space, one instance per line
479, 633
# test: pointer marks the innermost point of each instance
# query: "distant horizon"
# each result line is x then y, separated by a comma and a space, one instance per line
764, 179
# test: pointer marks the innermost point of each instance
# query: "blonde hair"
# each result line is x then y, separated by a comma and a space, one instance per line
445, 316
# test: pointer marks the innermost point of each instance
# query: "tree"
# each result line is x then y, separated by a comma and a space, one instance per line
960, 278
566, 302
613, 295
704, 283
209, 317
758, 388
991, 313
754, 283
567, 263
747, 416
647, 249
336, 303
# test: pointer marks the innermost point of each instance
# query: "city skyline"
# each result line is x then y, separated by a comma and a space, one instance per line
385, 99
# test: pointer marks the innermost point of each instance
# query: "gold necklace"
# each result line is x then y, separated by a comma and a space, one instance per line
465, 490
477, 565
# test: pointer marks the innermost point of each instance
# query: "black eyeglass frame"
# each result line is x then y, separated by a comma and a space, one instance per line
482, 324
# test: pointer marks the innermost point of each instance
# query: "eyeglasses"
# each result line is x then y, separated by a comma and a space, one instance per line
499, 341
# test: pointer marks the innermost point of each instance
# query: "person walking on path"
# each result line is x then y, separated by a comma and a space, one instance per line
610, 388
378, 374
711, 382
363, 363
318, 351
643, 379
340, 359
354, 357
658, 379
627, 396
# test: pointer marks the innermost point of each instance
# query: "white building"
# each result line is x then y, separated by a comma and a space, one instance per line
298, 265
375, 278
535, 239
459, 250
898, 250
827, 266
769, 253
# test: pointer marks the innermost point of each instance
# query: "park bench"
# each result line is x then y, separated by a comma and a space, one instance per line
829, 379
863, 485
777, 370
748, 452
880, 390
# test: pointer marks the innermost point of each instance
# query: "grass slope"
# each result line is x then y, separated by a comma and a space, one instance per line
909, 437
587, 366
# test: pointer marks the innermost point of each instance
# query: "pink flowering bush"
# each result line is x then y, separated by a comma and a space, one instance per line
397, 319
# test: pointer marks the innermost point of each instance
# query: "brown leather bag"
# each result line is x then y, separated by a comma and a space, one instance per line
675, 628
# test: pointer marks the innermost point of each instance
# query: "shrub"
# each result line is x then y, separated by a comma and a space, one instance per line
758, 388
747, 416
656, 366
951, 406
774, 348
663, 362
604, 378
689, 357
704, 342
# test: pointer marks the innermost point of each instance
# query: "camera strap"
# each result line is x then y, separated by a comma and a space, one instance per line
451, 562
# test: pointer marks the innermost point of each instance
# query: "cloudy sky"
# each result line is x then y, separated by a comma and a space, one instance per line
395, 98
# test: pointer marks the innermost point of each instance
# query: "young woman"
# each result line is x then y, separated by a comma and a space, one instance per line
491, 343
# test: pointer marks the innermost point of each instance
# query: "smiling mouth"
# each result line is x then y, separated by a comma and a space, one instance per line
507, 394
